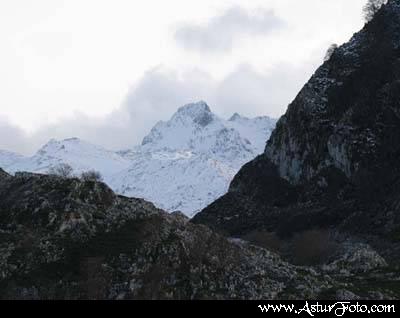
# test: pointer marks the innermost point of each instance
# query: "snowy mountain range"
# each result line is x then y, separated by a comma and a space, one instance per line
183, 164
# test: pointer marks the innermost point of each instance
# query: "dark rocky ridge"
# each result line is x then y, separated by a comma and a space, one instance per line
333, 160
69, 239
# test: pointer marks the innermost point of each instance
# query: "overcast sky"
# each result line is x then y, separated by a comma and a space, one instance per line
108, 70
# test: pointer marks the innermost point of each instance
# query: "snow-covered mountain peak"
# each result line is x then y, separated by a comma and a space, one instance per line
79, 154
194, 108
183, 164
187, 129
54, 145
197, 114
194, 127
237, 117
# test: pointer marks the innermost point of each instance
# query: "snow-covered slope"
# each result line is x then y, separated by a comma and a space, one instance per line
253, 129
174, 181
183, 164
8, 158
80, 155
188, 162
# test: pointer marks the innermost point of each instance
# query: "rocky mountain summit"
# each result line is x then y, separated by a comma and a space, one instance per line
332, 163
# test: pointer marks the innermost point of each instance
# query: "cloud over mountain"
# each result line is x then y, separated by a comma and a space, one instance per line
222, 31
159, 93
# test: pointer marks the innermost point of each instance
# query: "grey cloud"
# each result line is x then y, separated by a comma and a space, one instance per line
259, 93
158, 95
112, 131
160, 92
246, 91
221, 31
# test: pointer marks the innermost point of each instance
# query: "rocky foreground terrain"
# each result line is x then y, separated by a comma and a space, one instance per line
65, 238
71, 239
317, 215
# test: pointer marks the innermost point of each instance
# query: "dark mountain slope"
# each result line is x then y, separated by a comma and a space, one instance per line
333, 160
